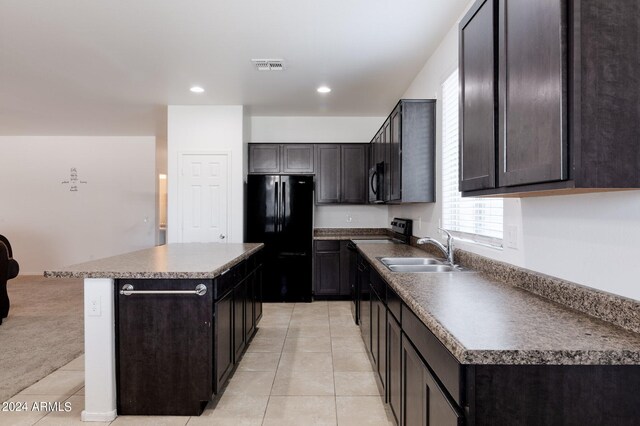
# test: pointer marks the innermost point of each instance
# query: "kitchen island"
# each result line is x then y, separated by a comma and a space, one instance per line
165, 326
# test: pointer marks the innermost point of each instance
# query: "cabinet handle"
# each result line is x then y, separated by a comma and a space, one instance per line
128, 290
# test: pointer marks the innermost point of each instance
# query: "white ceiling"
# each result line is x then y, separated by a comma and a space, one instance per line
110, 67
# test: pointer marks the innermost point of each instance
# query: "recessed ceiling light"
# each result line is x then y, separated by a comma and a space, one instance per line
197, 89
324, 89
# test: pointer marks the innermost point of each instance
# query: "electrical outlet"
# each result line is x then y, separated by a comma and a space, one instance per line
512, 236
349, 218
95, 307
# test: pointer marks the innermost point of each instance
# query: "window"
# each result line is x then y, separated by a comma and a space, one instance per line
476, 219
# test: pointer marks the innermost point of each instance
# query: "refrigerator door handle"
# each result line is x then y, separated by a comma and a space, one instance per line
283, 214
276, 212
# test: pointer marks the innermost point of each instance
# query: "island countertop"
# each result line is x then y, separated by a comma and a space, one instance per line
170, 261
482, 321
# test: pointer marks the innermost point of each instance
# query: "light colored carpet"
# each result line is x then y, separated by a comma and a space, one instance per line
43, 332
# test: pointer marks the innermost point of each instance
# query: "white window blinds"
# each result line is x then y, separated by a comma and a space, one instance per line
477, 219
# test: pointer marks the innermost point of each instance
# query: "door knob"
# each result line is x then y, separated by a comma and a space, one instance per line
221, 237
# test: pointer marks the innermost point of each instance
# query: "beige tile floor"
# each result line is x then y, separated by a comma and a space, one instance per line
306, 366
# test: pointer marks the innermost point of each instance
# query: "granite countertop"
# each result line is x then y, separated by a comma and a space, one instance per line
171, 261
482, 321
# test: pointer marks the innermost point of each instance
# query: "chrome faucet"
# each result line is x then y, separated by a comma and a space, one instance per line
447, 250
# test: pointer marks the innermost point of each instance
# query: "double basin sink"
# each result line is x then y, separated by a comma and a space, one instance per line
418, 264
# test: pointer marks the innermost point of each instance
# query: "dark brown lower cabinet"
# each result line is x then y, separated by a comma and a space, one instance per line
249, 309
425, 384
173, 351
223, 340
379, 336
394, 366
331, 270
239, 305
424, 403
146, 328
365, 310
257, 295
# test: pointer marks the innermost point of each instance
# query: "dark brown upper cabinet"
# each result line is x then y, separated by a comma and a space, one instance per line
341, 173
329, 176
297, 159
478, 97
564, 97
281, 159
264, 158
394, 130
532, 92
377, 160
407, 141
353, 173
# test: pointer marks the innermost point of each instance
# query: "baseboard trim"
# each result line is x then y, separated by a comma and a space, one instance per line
98, 417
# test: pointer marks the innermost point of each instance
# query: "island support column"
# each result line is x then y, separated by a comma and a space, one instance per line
99, 351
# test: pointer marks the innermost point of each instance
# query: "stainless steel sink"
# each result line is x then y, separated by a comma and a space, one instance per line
411, 261
424, 268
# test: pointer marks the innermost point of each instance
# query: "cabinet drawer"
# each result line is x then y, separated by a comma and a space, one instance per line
252, 263
222, 285
327, 245
445, 366
229, 279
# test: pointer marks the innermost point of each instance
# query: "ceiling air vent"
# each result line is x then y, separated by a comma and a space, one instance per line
268, 64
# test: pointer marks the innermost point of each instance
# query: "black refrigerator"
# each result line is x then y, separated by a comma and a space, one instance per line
279, 213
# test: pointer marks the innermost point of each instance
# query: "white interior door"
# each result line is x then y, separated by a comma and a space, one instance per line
204, 195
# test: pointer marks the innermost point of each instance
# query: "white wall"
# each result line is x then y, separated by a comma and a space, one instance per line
352, 216
201, 129
588, 239
50, 226
314, 129
326, 130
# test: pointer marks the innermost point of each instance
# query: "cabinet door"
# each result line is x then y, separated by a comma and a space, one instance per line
327, 273
478, 97
423, 402
386, 142
395, 158
365, 307
257, 295
373, 309
533, 128
223, 340
394, 354
379, 336
353, 174
345, 269
264, 158
327, 174
239, 299
297, 159
249, 308
382, 345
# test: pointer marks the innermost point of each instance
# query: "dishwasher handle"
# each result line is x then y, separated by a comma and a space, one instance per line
128, 290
